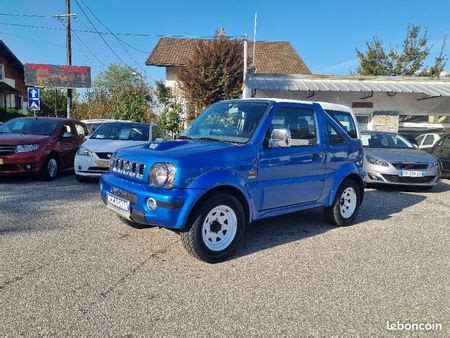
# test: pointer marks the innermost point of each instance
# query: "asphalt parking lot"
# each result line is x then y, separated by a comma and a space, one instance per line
69, 266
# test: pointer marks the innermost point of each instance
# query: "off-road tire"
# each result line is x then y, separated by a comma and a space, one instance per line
192, 238
333, 213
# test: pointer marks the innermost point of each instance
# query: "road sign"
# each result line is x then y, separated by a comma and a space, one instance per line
34, 102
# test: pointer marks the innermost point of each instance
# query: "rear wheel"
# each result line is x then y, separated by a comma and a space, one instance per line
215, 229
50, 168
346, 204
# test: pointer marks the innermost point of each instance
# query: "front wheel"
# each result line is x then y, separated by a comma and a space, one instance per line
346, 204
50, 168
215, 228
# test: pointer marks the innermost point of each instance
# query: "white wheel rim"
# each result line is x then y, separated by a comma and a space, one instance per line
348, 202
52, 167
219, 228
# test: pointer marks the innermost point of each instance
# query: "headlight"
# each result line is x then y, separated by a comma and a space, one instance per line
25, 148
83, 151
162, 175
376, 161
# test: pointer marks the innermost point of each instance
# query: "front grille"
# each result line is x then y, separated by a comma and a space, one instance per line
8, 167
410, 165
127, 167
6, 150
104, 156
103, 169
400, 179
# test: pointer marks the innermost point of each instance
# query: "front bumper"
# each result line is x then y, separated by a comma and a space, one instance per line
173, 205
21, 163
88, 166
387, 175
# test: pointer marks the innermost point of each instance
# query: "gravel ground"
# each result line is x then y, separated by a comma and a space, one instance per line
69, 266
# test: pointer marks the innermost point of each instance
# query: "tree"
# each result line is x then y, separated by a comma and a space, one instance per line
120, 93
375, 60
213, 72
48, 102
170, 120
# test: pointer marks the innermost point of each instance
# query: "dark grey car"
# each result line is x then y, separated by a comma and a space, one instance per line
391, 159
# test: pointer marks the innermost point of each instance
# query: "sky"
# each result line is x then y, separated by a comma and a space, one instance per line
324, 33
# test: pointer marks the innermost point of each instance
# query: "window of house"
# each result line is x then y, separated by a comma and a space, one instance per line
2, 72
301, 123
2, 100
334, 137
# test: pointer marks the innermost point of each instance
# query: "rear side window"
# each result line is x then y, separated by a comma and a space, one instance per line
419, 139
345, 120
428, 140
81, 130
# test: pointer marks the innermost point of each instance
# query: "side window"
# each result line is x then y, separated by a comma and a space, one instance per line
67, 128
345, 120
334, 137
428, 140
81, 130
300, 122
419, 139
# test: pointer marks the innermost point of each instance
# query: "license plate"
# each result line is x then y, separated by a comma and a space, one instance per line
118, 204
411, 173
1, 161
102, 164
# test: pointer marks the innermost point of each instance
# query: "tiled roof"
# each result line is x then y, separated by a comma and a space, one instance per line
271, 56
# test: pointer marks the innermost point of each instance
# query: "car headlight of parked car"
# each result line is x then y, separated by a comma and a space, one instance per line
376, 161
25, 148
162, 175
83, 151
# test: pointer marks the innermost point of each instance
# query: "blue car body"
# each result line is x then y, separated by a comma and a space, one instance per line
267, 183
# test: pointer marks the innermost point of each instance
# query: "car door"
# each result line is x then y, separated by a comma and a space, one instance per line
68, 145
290, 175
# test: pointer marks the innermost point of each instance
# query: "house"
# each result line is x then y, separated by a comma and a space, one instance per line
271, 57
12, 81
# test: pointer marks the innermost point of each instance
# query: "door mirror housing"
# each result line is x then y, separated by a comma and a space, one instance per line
280, 138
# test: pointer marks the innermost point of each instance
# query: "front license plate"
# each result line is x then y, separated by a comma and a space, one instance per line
102, 164
118, 204
1, 161
411, 173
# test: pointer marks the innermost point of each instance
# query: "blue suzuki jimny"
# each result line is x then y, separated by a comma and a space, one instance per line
240, 161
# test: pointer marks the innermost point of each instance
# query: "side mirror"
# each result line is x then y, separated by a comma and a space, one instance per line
67, 134
280, 138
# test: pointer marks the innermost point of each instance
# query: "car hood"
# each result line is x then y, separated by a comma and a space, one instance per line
13, 139
109, 146
400, 155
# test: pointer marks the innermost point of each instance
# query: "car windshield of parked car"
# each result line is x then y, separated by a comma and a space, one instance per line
122, 132
384, 140
227, 122
29, 127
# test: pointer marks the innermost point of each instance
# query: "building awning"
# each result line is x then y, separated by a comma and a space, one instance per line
298, 82
7, 88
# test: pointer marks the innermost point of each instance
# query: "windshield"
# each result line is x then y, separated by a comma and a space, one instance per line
121, 131
227, 121
384, 140
29, 126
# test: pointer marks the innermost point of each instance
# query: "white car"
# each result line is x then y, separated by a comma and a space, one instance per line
94, 155
427, 141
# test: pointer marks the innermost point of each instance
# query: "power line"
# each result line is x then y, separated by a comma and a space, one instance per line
119, 34
27, 15
117, 38
100, 35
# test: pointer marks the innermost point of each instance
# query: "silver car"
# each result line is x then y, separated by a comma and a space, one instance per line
391, 159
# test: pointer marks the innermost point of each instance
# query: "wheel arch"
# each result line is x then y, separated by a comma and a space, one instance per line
353, 176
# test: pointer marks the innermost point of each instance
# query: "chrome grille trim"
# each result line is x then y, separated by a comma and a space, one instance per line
127, 167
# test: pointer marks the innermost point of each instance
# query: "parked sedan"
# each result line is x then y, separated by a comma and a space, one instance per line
40, 145
427, 141
391, 159
442, 151
94, 156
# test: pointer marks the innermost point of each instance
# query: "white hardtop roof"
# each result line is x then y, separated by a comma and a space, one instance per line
324, 105
103, 121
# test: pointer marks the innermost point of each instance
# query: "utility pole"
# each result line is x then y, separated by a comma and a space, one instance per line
68, 55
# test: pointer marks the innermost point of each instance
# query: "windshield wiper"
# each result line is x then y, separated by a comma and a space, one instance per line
184, 137
206, 138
